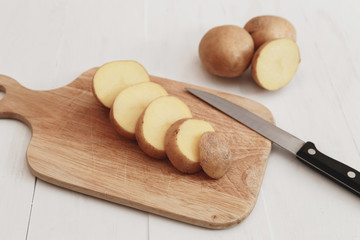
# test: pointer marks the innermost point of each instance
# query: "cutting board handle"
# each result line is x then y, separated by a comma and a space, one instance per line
15, 100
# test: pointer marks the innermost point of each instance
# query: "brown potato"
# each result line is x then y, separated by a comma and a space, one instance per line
266, 28
215, 155
275, 63
182, 143
226, 51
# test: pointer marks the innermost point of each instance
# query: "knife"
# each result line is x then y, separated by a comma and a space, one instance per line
306, 152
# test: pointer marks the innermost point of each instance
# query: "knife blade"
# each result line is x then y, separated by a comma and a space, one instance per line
306, 152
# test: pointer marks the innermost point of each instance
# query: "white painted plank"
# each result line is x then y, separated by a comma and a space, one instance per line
297, 198
47, 44
16, 182
311, 107
63, 214
66, 38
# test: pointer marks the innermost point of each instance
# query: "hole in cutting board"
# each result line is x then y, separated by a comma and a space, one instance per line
2, 92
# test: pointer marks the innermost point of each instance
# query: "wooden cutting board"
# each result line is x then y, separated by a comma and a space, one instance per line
74, 146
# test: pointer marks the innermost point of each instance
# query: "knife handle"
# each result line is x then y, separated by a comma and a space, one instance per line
338, 172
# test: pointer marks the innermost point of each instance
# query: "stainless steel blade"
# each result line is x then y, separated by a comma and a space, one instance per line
252, 121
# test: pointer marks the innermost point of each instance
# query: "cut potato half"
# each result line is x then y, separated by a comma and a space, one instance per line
113, 77
182, 143
152, 125
275, 63
130, 103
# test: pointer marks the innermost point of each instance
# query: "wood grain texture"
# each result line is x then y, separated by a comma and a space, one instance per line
74, 145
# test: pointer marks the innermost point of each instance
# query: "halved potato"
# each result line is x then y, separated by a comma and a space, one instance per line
275, 63
130, 104
182, 143
152, 125
113, 77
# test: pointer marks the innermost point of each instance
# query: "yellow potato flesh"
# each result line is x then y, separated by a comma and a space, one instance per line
189, 135
159, 116
277, 63
131, 102
113, 77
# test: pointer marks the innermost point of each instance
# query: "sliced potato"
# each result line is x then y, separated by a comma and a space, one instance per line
152, 125
215, 155
275, 63
113, 77
266, 28
130, 104
182, 143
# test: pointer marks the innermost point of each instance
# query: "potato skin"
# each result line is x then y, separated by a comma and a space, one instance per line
120, 129
143, 144
96, 96
254, 63
178, 160
266, 28
215, 155
226, 51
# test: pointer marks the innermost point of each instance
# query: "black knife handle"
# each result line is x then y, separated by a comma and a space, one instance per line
331, 168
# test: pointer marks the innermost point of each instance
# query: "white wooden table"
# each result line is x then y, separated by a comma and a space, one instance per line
47, 44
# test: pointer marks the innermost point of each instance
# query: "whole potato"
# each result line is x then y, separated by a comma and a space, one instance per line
266, 28
226, 51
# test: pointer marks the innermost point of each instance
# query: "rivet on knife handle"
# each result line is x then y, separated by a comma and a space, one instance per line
331, 168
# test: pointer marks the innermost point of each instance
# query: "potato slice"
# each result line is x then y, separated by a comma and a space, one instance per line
152, 125
215, 155
130, 104
182, 143
275, 63
113, 77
